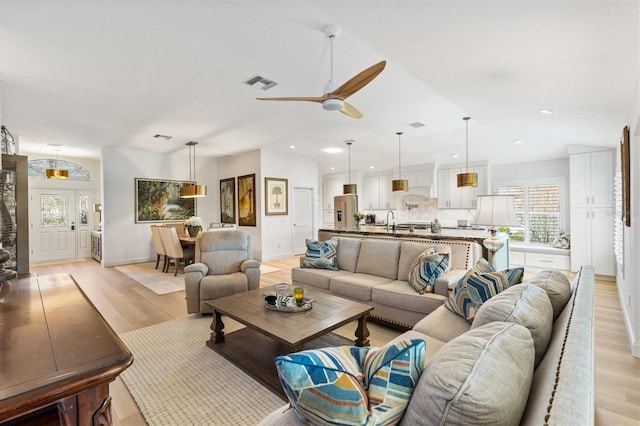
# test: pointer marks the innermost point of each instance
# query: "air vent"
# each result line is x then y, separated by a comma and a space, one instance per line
268, 84
417, 124
165, 137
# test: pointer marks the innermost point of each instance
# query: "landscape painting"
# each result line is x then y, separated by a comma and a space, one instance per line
247, 200
159, 201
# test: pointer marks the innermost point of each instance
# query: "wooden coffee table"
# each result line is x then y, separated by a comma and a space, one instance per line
272, 333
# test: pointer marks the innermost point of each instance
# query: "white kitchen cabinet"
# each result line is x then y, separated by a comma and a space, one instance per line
592, 211
537, 258
452, 197
376, 192
591, 181
331, 186
592, 239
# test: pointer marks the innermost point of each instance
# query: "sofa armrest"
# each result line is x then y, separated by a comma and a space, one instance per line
447, 281
193, 274
251, 268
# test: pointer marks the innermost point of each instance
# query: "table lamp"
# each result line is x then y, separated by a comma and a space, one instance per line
495, 211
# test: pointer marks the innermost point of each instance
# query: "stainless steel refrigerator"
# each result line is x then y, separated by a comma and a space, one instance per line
344, 207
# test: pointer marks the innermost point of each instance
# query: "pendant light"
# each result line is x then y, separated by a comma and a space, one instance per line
55, 172
399, 184
467, 179
349, 188
194, 190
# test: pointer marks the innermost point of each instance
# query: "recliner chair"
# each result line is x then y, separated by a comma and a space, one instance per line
223, 267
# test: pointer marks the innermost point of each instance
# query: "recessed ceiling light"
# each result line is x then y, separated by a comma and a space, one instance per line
332, 150
454, 155
292, 146
372, 167
517, 142
547, 111
332, 168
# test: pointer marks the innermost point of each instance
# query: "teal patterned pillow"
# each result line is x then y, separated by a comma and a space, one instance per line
321, 255
427, 267
352, 385
476, 288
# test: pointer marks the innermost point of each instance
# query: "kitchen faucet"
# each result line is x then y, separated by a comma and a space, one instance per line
392, 217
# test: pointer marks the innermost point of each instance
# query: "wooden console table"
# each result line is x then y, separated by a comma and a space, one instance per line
57, 354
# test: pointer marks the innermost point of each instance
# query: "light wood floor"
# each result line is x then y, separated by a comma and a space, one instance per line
127, 306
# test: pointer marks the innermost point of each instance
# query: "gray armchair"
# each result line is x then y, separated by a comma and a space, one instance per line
223, 267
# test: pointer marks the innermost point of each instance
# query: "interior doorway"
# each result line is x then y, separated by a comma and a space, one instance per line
302, 201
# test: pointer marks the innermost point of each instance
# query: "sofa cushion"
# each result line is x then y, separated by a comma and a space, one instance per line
428, 266
350, 384
525, 304
321, 255
442, 324
480, 377
400, 295
380, 258
315, 277
356, 286
557, 286
348, 252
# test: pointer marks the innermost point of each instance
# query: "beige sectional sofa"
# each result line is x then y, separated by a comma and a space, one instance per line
527, 358
375, 271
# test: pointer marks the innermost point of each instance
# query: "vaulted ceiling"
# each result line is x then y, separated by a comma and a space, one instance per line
89, 73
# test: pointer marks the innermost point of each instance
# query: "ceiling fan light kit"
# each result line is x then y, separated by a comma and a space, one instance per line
399, 185
467, 180
334, 98
194, 190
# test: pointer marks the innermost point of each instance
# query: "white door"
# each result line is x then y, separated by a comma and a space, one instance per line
302, 218
61, 223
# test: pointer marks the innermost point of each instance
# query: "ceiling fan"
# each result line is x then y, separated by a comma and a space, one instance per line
334, 98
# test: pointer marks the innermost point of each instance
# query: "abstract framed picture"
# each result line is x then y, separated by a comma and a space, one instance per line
625, 165
247, 200
158, 200
276, 200
228, 200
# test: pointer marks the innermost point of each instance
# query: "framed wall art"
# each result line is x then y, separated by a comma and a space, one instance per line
276, 200
247, 200
159, 201
228, 200
625, 165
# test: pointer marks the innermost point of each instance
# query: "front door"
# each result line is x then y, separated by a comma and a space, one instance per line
60, 223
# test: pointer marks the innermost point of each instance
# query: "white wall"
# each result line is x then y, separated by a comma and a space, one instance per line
301, 172
124, 240
628, 281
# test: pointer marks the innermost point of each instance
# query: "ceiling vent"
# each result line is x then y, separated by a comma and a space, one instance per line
268, 84
417, 125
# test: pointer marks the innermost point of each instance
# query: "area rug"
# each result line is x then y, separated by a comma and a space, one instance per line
154, 279
176, 380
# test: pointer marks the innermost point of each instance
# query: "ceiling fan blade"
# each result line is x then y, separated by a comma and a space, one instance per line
350, 110
358, 81
318, 99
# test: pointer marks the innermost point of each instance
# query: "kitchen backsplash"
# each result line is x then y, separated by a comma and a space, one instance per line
419, 209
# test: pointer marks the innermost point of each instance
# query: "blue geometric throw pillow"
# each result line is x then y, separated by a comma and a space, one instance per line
321, 255
352, 385
428, 266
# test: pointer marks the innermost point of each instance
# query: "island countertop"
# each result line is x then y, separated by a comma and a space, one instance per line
445, 233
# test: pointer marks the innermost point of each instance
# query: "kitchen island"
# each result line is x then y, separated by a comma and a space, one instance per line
499, 259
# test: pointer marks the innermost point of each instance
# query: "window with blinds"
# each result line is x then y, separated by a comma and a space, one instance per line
538, 209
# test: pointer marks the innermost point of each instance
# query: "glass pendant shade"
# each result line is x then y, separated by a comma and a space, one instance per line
194, 190
467, 180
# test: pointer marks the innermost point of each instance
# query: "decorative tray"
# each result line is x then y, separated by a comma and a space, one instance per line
289, 307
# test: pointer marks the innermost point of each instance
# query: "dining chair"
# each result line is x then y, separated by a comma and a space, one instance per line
160, 250
175, 250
